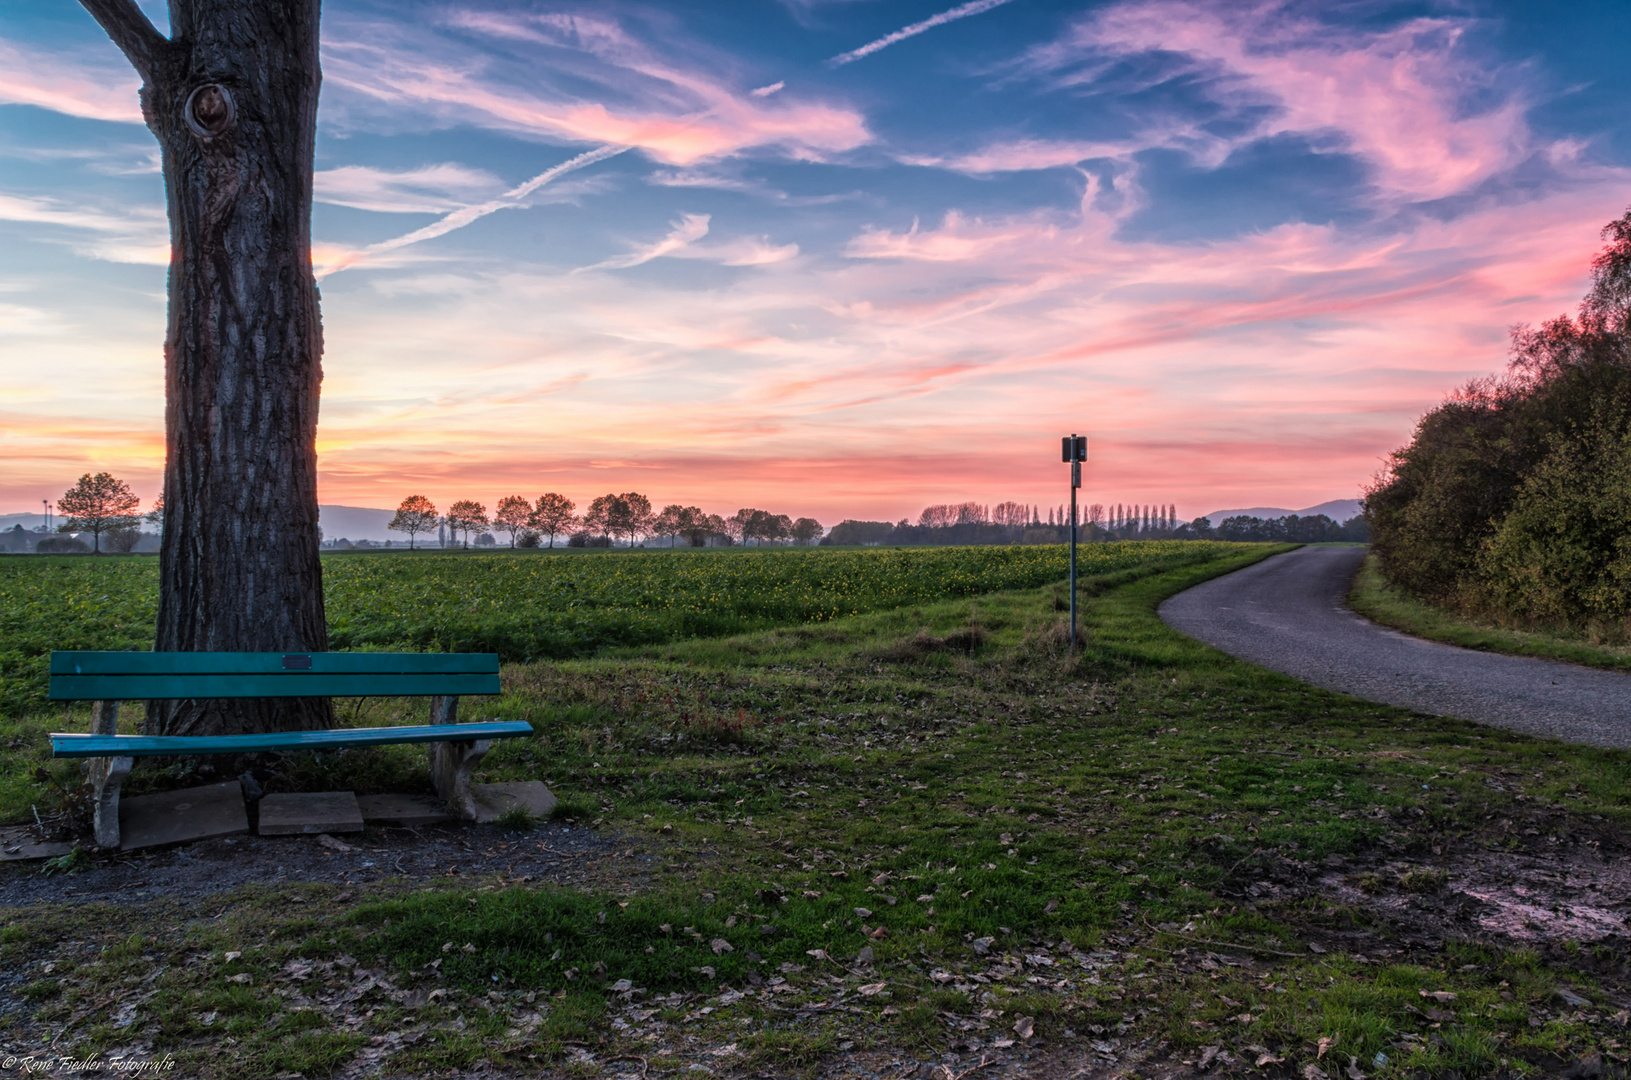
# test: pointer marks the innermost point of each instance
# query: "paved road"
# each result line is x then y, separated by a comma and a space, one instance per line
1289, 613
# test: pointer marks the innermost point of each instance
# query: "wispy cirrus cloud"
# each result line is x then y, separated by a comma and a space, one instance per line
961, 11
428, 189
1425, 112
464, 215
582, 79
125, 235
682, 234
103, 88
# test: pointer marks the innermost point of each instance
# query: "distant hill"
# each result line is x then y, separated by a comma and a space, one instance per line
1338, 510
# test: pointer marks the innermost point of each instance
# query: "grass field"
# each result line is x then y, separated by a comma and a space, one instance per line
528, 606
1377, 599
917, 834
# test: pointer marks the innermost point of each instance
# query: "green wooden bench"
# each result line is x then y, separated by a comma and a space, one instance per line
107, 678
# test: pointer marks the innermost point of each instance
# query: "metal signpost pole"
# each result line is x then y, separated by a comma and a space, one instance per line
1075, 452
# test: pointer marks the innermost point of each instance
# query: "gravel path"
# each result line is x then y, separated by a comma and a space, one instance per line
1289, 613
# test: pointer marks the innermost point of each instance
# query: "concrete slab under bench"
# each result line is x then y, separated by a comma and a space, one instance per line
308, 813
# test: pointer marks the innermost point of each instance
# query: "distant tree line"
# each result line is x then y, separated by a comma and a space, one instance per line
1512, 500
1011, 523
627, 519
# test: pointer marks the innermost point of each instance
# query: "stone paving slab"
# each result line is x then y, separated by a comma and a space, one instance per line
492, 800
21, 843
304, 813
403, 810
176, 817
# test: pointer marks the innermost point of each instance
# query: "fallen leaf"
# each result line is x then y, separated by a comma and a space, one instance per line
1313, 1072
1002, 1044
873, 989
242, 977
879, 934
1051, 907
1326, 1042
1266, 1058
1025, 1026
982, 946
1207, 1054
925, 899
865, 956
621, 986
863, 913
1437, 995
468, 947
231, 956
330, 842
1353, 1071
720, 946
1315, 947
819, 954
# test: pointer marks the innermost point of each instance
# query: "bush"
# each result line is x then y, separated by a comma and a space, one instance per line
1512, 499
121, 540
527, 538
62, 545
588, 540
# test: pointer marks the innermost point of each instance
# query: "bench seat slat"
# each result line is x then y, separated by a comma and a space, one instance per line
237, 663
64, 745
281, 684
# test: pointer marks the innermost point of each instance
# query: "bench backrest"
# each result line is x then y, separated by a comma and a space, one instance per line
129, 676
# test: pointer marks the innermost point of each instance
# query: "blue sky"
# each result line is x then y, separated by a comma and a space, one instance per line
846, 258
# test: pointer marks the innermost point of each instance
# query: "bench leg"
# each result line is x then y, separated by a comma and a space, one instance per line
107, 775
451, 764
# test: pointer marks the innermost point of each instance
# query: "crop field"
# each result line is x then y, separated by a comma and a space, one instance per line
530, 606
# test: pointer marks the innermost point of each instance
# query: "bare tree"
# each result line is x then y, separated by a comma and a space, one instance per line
552, 514
514, 514
98, 504
231, 97
417, 514
1011, 513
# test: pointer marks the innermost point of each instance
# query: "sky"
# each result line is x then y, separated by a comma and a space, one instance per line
845, 258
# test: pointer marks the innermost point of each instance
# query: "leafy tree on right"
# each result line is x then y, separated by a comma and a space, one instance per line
1513, 499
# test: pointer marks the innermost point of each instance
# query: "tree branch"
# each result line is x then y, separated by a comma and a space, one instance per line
137, 38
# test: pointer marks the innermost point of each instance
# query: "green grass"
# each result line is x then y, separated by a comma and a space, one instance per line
1374, 597
524, 606
951, 769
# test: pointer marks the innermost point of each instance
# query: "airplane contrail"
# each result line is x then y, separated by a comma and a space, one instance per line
466, 214
961, 11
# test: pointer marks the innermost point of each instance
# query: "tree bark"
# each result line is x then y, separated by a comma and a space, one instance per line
231, 96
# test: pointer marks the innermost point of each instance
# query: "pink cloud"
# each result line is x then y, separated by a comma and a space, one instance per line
104, 89
679, 115
1401, 99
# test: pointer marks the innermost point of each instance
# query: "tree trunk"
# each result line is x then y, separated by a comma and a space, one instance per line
232, 98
